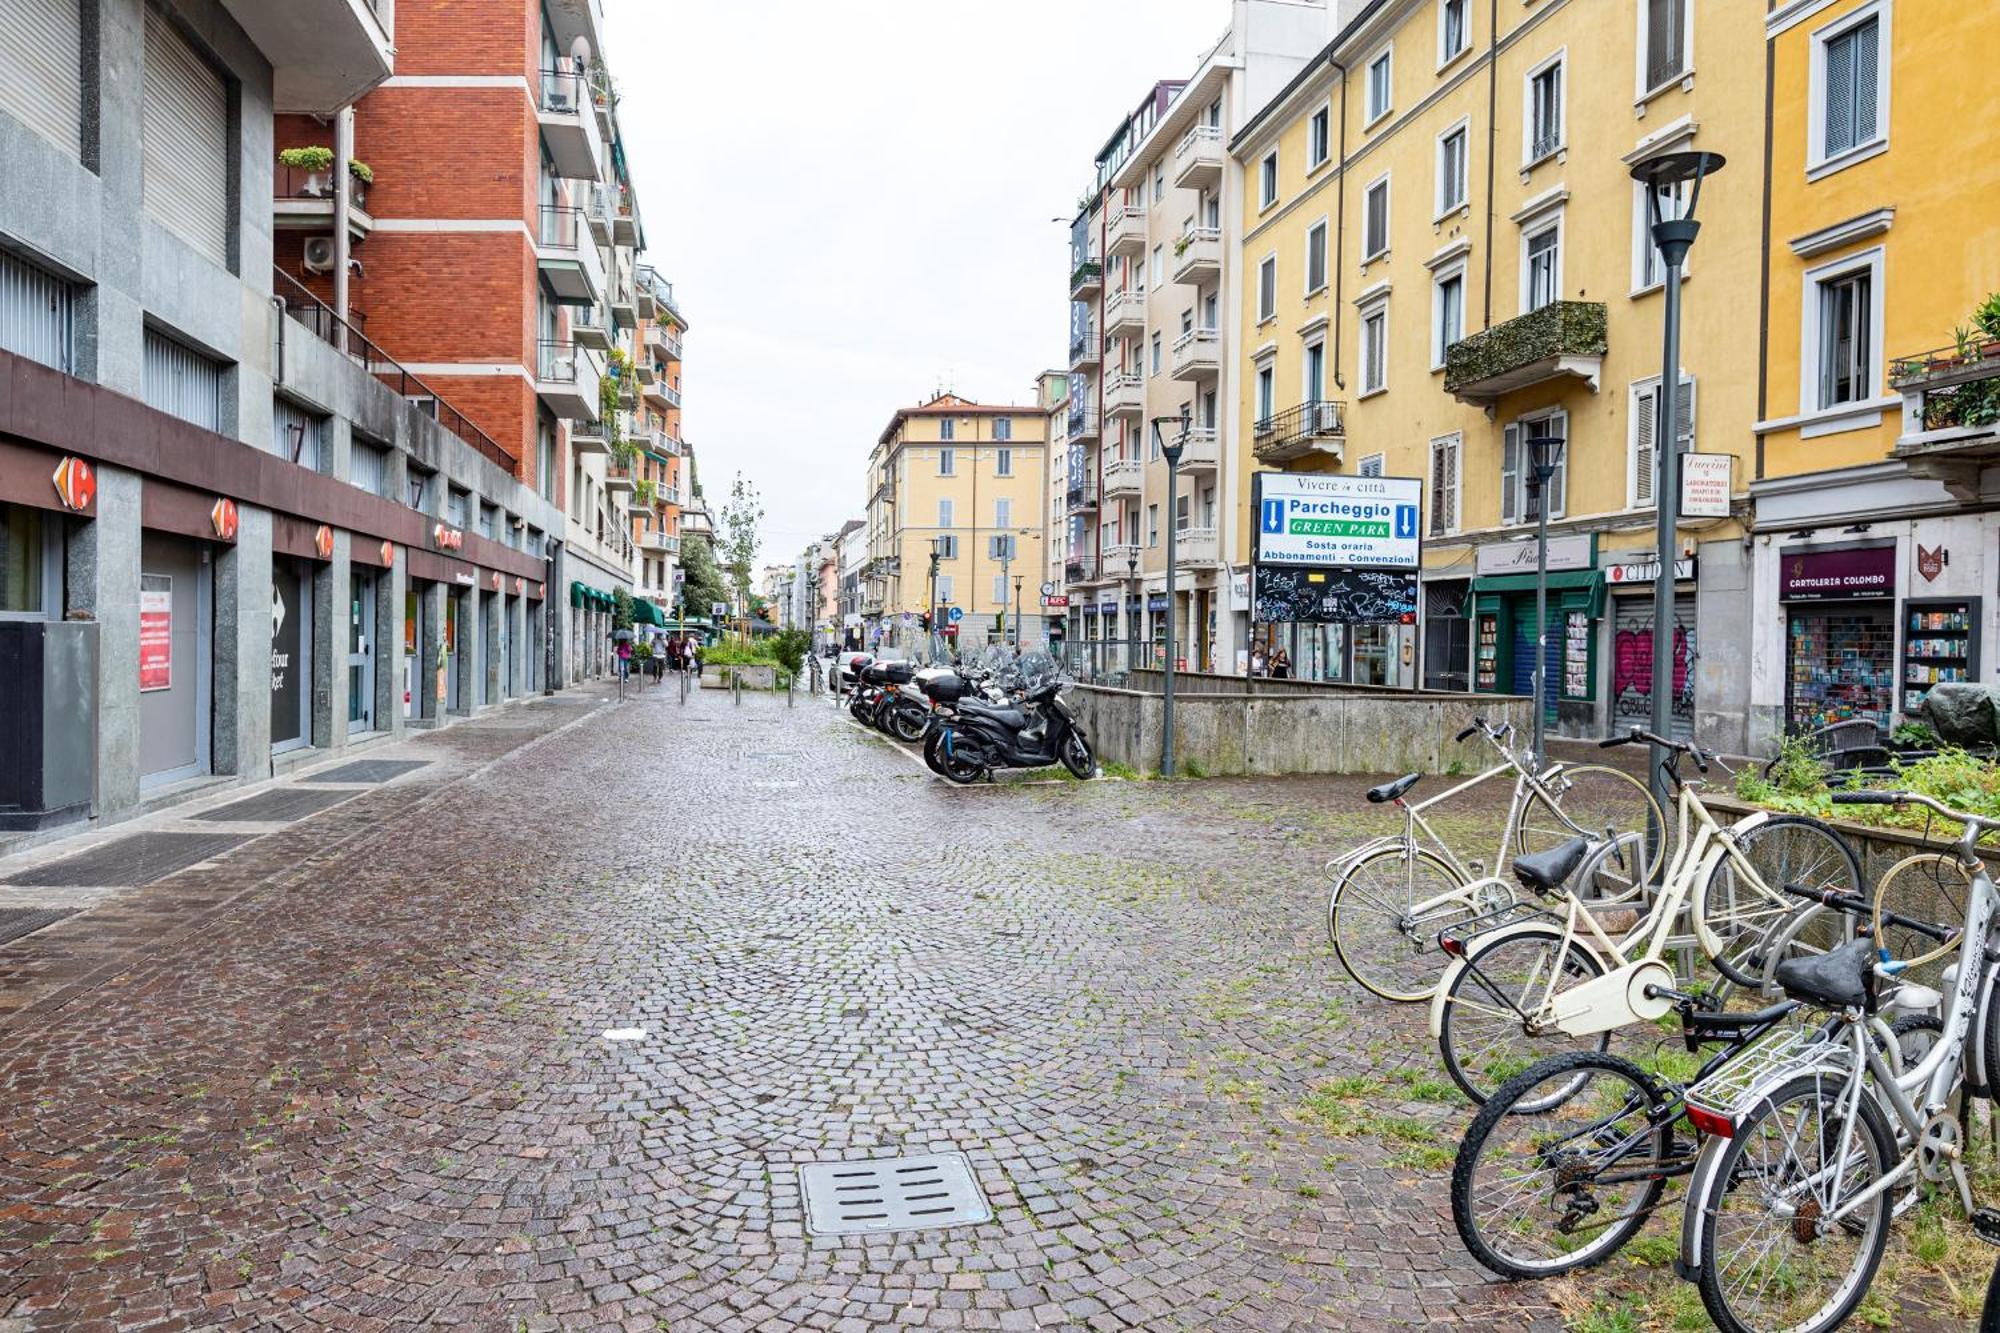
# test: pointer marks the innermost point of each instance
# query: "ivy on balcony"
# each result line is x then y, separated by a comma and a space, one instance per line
1557, 330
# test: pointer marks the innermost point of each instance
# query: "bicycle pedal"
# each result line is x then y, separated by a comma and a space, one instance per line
1986, 1224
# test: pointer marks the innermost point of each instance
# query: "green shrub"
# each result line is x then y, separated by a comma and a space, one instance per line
789, 646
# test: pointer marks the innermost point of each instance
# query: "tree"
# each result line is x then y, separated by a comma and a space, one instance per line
740, 518
703, 586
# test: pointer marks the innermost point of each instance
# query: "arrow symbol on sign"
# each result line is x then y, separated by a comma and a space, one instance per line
277, 612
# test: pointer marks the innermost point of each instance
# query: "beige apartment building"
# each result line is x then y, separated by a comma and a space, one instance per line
963, 480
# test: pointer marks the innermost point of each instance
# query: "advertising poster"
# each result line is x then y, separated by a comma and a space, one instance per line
156, 632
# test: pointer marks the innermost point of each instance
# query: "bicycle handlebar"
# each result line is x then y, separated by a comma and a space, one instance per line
1976, 826
1640, 736
1478, 725
1868, 797
1848, 902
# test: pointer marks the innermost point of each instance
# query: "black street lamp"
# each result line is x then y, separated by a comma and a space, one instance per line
1667, 177
1171, 451
1131, 621
1544, 457
930, 612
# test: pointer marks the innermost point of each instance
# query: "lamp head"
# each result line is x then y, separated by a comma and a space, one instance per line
1171, 449
1666, 177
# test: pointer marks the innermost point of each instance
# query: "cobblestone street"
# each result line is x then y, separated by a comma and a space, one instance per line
354, 1074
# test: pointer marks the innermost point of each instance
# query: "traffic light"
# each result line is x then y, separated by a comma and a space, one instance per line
924, 621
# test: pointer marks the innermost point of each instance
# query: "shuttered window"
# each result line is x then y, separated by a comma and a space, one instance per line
1645, 430
368, 468
36, 320
182, 382
1375, 218
186, 154
1444, 485
41, 70
296, 434
1850, 87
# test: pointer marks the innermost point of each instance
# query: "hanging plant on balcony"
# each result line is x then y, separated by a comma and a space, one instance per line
644, 489
361, 171
314, 158
1181, 246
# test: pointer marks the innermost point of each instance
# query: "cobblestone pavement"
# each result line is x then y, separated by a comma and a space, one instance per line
352, 1073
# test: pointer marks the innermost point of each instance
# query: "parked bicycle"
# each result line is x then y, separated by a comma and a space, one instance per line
1392, 895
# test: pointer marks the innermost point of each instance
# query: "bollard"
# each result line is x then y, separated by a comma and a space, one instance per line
788, 690
736, 688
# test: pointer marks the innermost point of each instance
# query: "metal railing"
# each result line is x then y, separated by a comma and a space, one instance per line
344, 337
1308, 421
561, 226
565, 90
299, 183
1082, 498
556, 361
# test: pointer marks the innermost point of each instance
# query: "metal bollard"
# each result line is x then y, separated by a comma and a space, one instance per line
788, 690
736, 688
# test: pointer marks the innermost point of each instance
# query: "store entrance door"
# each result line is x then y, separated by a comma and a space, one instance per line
1632, 664
176, 657
413, 635
360, 650
291, 653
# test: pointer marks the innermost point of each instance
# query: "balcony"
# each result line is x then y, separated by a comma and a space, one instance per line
302, 200
667, 495
1203, 450
587, 438
661, 397
663, 444
618, 480
1082, 499
624, 216
1197, 548
1086, 280
603, 99
324, 54
1563, 338
1296, 432
566, 378
1951, 414
1120, 560
1079, 571
643, 371
569, 122
664, 342
571, 19
1128, 230
660, 543
1197, 356
1083, 425
1125, 395
1198, 256
1124, 477
570, 261
590, 327
597, 212
1125, 314
624, 302
1198, 159
1085, 348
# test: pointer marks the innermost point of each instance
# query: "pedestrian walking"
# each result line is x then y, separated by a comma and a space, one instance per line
624, 658
673, 654
1281, 665
694, 657
1257, 660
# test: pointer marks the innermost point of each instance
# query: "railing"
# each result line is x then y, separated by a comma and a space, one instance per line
344, 337
1544, 144
298, 183
603, 93
1558, 329
1120, 553
1079, 571
1082, 498
565, 90
561, 226
556, 362
1084, 346
1196, 137
1297, 425
1088, 273
1197, 344
1082, 421
1956, 387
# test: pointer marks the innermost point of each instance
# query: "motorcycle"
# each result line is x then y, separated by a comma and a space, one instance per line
1040, 730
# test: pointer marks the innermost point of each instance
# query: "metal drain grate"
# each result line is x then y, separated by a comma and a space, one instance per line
278, 807
128, 862
18, 921
370, 770
891, 1194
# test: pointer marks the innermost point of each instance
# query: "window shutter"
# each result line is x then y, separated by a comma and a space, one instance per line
1510, 474
1643, 464
36, 313
1684, 437
41, 70
1840, 93
185, 158
182, 382
1864, 39
1558, 489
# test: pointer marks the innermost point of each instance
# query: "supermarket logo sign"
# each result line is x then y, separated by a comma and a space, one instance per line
1338, 521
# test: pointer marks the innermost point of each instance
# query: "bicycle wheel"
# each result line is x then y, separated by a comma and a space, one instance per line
1483, 1037
1535, 1192
1380, 934
1932, 887
1593, 801
1783, 850
1766, 1263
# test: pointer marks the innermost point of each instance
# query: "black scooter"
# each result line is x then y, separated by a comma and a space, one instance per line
984, 737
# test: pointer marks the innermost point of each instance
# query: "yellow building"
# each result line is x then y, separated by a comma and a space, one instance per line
1875, 561
964, 479
1443, 256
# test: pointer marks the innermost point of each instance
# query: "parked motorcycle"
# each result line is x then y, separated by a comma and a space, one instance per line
1038, 731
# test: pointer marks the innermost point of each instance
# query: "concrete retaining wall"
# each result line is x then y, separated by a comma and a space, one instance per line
1321, 729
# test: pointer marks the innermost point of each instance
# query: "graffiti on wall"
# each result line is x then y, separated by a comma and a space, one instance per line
1632, 665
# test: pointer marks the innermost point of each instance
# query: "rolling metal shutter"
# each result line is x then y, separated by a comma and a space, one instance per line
41, 70
182, 382
186, 141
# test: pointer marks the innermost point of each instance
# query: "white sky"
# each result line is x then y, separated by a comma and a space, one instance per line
853, 201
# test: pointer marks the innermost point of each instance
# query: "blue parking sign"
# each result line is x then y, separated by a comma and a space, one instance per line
1406, 522
1274, 515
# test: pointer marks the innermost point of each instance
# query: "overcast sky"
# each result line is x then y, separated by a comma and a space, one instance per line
853, 201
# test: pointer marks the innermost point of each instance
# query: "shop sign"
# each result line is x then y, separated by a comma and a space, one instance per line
1646, 571
323, 542
1108, 608
1056, 601
448, 538
156, 632
1705, 485
1931, 563
76, 484
1239, 587
1575, 551
222, 516
1334, 521
496, 580
389, 555
1818, 576
463, 579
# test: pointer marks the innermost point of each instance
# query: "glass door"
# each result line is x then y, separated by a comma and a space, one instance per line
361, 650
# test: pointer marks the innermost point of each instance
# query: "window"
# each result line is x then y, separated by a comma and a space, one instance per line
1444, 485
1003, 513
1156, 353
1517, 468
36, 315
1648, 269
1451, 169
1454, 30
947, 461
455, 505
1000, 591
948, 547
295, 434
1181, 505
1845, 327
1152, 525
944, 512
1378, 85
41, 68
947, 429
368, 467
1210, 310
944, 589
1544, 118
1850, 88
185, 140
30, 563
1267, 289
1267, 405
1447, 313
1319, 138
182, 382
1313, 372
1371, 465
1003, 461
1666, 29
1645, 432
1000, 547
1316, 258
1159, 265
1267, 180
1159, 183
1374, 349
1542, 266
1003, 428
1375, 220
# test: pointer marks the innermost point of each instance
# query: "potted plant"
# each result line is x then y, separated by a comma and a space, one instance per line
361, 176
315, 160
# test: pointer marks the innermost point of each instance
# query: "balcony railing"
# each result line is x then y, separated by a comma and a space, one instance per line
1119, 559
1084, 348
1082, 499
1083, 424
1197, 354
1085, 278
1951, 413
562, 227
1297, 431
1561, 338
1196, 547
1123, 476
1203, 450
565, 90
1198, 158
343, 336
299, 183
1198, 255
1080, 571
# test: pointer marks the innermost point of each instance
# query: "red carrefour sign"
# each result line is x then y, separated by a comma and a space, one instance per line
323, 542
76, 484
389, 554
447, 538
222, 517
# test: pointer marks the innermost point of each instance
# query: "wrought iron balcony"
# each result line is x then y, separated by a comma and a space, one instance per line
1082, 499
1563, 338
1083, 424
569, 122
1311, 427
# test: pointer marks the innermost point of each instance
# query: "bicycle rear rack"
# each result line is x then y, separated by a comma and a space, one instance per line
1454, 938
1766, 1062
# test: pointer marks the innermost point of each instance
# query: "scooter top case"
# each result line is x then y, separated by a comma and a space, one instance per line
898, 673
942, 685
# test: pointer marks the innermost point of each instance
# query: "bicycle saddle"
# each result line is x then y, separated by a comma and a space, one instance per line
1390, 791
1545, 872
1842, 978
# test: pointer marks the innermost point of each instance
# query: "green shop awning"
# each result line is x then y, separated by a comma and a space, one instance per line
645, 613
582, 594
1587, 581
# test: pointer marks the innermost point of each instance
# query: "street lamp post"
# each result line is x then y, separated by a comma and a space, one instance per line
1018, 578
1172, 453
1545, 456
1674, 229
931, 600
1131, 621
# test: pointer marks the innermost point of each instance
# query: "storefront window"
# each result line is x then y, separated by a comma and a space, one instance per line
23, 564
1843, 666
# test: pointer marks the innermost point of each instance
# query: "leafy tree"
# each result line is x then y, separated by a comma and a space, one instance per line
703, 586
740, 518
790, 646
621, 611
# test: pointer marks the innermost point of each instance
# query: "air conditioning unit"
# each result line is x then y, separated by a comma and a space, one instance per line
319, 255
